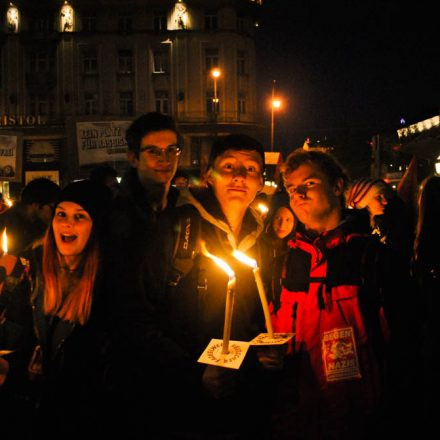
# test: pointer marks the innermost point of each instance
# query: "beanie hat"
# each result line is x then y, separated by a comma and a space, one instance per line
360, 192
235, 142
93, 197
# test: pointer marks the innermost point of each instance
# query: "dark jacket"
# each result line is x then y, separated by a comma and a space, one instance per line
58, 369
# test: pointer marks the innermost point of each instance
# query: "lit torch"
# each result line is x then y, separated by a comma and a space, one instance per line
252, 263
230, 292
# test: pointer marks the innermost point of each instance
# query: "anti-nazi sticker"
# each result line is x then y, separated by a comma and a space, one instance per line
339, 355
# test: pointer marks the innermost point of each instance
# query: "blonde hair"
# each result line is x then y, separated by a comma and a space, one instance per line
74, 305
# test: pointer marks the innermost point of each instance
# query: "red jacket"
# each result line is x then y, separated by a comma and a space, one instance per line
332, 299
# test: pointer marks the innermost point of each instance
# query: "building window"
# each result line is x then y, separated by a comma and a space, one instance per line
125, 23
40, 61
40, 105
160, 61
90, 103
211, 59
241, 104
195, 151
241, 23
90, 62
211, 21
40, 24
89, 23
126, 103
211, 106
125, 61
161, 101
241, 62
160, 21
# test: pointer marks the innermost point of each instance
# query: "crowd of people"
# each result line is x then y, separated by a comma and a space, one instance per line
109, 295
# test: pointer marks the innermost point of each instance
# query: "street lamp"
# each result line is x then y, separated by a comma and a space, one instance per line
215, 73
275, 104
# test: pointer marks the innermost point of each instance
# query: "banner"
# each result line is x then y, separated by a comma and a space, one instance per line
100, 142
8, 157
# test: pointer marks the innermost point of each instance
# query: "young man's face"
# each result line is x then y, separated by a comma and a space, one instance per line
157, 161
236, 178
312, 198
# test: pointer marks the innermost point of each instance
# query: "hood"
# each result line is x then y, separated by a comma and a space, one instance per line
207, 206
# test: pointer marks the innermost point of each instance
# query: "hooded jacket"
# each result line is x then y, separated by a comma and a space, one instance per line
201, 293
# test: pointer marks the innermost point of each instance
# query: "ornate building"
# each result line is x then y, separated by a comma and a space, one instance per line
74, 74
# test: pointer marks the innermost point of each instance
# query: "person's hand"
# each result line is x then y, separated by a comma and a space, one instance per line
219, 382
4, 368
271, 357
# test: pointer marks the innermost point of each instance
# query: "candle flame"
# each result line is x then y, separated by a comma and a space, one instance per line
8, 201
245, 259
4, 242
222, 264
263, 208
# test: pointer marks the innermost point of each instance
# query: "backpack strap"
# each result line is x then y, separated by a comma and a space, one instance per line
186, 245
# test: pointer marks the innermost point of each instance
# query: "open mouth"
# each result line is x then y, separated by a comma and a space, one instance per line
68, 238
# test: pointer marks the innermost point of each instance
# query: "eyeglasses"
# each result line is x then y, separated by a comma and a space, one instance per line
171, 152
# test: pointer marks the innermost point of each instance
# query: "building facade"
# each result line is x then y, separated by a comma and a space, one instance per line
74, 74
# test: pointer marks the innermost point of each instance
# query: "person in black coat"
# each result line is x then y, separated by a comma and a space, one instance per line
55, 322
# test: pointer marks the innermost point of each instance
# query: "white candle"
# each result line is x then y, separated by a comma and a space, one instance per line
260, 287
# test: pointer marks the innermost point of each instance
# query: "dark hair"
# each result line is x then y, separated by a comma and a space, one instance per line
427, 230
148, 123
235, 142
100, 173
327, 163
181, 173
42, 191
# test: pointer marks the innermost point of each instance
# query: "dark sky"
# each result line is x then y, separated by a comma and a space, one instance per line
347, 69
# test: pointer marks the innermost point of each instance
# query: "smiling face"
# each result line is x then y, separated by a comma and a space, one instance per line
313, 199
283, 222
71, 226
152, 168
236, 178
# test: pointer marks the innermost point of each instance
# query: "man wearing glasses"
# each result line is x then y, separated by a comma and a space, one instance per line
143, 360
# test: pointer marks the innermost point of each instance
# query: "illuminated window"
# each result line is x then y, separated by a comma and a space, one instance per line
211, 21
125, 61
90, 103
160, 21
241, 62
66, 17
161, 101
126, 103
90, 61
13, 19
211, 58
160, 61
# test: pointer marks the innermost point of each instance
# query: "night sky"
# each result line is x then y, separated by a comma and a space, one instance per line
347, 70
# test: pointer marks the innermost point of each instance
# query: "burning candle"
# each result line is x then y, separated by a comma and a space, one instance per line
230, 293
4, 242
252, 263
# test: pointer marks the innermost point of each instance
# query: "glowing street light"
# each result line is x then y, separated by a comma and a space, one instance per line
215, 73
275, 104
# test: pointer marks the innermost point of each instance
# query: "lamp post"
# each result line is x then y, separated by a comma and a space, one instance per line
215, 73
275, 104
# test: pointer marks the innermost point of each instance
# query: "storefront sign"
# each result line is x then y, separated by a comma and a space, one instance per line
21, 120
8, 157
53, 175
42, 150
101, 141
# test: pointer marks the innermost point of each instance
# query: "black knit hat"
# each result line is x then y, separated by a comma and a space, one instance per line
94, 197
235, 142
